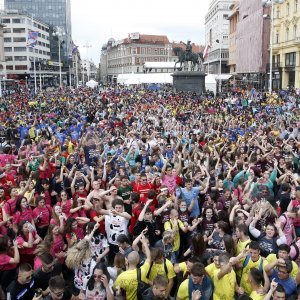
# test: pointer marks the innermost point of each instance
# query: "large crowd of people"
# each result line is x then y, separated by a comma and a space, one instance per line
136, 194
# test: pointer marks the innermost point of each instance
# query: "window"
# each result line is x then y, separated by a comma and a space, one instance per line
7, 40
20, 49
19, 39
287, 32
20, 58
8, 58
225, 17
5, 21
19, 30
295, 31
288, 9
9, 67
277, 38
7, 49
290, 59
21, 67
6, 30
17, 21
296, 6
278, 13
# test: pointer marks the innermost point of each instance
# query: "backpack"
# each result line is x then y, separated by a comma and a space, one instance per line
142, 286
245, 263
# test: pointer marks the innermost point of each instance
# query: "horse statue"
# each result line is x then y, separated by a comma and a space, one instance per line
196, 59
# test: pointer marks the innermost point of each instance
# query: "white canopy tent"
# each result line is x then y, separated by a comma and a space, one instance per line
144, 78
92, 84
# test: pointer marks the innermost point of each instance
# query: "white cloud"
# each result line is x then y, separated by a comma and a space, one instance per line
95, 21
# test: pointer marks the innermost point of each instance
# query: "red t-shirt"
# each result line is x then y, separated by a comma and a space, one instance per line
20, 241
44, 214
4, 263
25, 215
143, 189
94, 214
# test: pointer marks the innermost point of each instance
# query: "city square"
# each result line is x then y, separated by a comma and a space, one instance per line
149, 151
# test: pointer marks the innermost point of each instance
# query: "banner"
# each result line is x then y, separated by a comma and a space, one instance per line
206, 50
32, 38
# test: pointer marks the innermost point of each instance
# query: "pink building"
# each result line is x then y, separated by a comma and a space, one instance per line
252, 40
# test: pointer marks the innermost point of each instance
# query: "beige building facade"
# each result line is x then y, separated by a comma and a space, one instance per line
286, 43
233, 21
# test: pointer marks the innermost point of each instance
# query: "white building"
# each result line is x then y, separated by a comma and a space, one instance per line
216, 35
19, 58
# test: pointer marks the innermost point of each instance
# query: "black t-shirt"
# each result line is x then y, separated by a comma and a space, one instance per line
19, 291
42, 278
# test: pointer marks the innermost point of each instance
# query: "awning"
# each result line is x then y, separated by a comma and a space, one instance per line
223, 76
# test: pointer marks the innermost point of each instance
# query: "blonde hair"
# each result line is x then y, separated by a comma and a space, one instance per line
78, 253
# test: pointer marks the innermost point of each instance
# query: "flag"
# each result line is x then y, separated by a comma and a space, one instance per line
75, 49
32, 38
206, 50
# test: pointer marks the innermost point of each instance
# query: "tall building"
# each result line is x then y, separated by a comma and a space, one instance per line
216, 35
286, 44
233, 21
52, 12
252, 42
18, 57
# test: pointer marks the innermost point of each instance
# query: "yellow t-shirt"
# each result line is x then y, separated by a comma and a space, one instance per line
158, 269
272, 258
175, 229
241, 246
224, 288
128, 281
255, 296
244, 280
183, 291
183, 267
210, 269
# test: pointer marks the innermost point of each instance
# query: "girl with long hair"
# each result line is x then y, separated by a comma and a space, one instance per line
27, 239
55, 240
99, 285
23, 212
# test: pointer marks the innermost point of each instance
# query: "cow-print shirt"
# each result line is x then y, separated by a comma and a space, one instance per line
114, 226
98, 243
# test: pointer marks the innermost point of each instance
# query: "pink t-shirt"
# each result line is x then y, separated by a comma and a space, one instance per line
37, 263
170, 182
25, 215
20, 241
287, 227
4, 263
65, 207
6, 158
44, 214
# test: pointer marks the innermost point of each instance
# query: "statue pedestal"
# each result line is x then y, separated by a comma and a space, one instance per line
189, 81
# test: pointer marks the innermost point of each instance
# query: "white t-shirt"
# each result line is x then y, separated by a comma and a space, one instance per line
114, 226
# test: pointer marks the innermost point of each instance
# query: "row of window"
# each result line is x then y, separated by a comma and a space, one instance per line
17, 68
16, 58
290, 59
23, 21
288, 36
24, 49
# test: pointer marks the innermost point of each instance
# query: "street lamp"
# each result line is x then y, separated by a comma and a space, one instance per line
59, 32
270, 3
220, 41
87, 46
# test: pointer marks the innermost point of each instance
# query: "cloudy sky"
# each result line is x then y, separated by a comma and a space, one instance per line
95, 21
